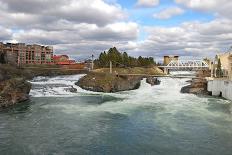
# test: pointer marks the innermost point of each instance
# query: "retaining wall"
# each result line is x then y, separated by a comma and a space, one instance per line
221, 88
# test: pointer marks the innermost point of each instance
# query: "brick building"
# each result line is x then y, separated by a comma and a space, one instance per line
20, 53
63, 60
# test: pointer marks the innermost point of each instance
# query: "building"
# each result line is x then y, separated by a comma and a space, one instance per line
20, 53
168, 59
226, 63
63, 60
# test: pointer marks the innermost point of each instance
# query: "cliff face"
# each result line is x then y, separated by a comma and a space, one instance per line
13, 91
102, 82
13, 86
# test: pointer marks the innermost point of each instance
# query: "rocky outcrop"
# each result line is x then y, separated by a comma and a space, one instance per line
152, 81
72, 89
109, 83
198, 86
13, 91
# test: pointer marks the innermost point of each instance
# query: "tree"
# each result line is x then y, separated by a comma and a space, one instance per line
122, 59
125, 59
219, 72
2, 58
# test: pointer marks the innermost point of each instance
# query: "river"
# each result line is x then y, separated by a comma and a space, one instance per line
154, 120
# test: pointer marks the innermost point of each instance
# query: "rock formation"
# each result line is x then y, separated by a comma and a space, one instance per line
13, 91
109, 83
198, 86
152, 81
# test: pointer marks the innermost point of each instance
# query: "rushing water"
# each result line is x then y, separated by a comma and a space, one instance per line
150, 120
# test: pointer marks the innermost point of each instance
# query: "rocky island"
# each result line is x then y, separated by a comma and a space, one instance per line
126, 72
123, 79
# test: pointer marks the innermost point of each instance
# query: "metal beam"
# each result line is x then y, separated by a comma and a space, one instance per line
186, 65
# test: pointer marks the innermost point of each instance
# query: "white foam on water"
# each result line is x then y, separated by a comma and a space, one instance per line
166, 96
55, 86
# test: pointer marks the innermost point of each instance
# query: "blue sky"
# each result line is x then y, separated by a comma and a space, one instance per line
144, 15
80, 28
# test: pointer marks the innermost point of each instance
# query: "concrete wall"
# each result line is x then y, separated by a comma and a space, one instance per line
226, 61
223, 87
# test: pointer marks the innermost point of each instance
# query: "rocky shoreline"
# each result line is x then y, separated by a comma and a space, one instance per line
198, 86
14, 91
14, 87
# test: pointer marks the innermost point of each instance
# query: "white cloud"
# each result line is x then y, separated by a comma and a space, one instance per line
83, 27
6, 34
168, 13
87, 11
74, 25
193, 39
82, 38
147, 3
219, 7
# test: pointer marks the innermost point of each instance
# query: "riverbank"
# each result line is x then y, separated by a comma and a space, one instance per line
198, 86
100, 80
14, 87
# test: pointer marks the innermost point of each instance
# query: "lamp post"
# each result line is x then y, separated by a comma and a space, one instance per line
110, 67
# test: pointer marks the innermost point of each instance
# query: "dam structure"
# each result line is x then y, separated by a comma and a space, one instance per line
220, 87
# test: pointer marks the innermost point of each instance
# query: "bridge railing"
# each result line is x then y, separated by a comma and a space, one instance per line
186, 64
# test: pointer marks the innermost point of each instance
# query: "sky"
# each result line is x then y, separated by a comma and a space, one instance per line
189, 28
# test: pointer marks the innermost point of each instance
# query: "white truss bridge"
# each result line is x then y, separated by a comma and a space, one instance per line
188, 65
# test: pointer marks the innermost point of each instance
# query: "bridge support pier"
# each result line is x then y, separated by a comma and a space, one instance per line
166, 71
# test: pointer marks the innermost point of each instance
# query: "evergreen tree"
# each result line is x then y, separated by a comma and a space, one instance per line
125, 59
219, 72
122, 59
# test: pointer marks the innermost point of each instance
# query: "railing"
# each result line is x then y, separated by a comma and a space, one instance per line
186, 64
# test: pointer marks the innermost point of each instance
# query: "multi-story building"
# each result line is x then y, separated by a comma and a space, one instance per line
168, 59
226, 63
20, 53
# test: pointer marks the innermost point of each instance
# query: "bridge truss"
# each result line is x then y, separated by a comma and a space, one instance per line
188, 65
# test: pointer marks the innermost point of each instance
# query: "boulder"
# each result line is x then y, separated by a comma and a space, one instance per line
152, 81
72, 89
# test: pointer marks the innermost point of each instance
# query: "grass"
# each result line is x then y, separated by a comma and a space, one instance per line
134, 70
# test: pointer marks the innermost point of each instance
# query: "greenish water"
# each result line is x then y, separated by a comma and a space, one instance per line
150, 120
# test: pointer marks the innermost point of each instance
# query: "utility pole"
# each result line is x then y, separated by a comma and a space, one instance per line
212, 68
110, 67
92, 64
